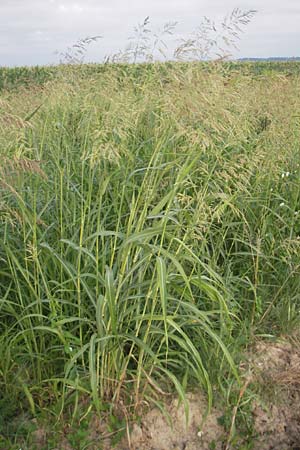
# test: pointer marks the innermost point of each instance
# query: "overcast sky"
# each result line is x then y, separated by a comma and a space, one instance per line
32, 30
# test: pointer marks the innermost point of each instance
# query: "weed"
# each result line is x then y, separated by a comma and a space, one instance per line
142, 241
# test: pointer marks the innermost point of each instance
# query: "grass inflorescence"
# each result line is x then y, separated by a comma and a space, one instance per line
150, 228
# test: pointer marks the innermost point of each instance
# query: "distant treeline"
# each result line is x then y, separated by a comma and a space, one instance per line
272, 59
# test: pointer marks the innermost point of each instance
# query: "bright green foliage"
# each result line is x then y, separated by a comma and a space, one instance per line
148, 226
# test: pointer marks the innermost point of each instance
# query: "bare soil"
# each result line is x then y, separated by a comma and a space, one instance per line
276, 412
155, 433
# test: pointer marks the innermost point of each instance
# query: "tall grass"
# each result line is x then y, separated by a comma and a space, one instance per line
149, 228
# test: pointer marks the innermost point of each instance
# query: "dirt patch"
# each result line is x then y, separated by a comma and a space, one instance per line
155, 433
276, 414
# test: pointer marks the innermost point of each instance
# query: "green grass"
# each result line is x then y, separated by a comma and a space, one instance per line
150, 230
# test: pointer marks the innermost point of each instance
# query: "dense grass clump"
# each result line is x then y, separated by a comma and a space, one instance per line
150, 227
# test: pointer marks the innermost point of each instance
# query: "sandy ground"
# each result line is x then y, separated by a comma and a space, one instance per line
277, 413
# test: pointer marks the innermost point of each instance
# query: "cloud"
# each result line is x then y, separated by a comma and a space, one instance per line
31, 30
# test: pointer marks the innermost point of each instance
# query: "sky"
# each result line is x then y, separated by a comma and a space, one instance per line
36, 31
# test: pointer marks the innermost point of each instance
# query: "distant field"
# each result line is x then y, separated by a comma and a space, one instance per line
38, 75
149, 237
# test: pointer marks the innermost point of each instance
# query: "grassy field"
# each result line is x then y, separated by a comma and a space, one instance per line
12, 78
149, 233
